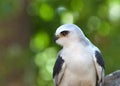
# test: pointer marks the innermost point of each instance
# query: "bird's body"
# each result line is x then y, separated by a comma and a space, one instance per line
75, 64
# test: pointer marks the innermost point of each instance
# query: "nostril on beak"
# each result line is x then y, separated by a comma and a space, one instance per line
55, 38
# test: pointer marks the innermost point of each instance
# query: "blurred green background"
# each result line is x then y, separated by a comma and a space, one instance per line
27, 49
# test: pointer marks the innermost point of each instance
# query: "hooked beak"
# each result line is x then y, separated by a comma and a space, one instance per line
56, 38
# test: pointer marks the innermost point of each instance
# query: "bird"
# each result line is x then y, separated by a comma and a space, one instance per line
79, 62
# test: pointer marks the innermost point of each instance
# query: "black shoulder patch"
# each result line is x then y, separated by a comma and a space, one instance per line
99, 58
58, 65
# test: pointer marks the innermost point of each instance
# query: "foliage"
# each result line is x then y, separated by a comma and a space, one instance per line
99, 19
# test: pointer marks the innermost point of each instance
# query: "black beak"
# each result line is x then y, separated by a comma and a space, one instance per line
56, 38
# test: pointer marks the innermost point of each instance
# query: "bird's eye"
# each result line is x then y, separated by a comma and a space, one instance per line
64, 33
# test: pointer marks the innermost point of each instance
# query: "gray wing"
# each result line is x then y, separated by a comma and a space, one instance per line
100, 66
58, 70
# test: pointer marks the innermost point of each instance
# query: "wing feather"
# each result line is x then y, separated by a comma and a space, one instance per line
99, 65
58, 70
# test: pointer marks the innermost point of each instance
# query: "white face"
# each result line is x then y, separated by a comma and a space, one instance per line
67, 34
63, 37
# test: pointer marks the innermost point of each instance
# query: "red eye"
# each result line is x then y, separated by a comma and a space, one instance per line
64, 33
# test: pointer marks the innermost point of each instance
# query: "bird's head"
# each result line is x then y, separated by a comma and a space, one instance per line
67, 34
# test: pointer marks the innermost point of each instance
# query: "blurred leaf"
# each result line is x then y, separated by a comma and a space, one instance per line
46, 12
45, 61
104, 29
77, 5
40, 41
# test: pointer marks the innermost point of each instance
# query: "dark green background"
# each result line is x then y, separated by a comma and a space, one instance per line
27, 49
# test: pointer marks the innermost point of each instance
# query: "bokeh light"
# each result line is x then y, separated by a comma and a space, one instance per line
46, 12
114, 11
67, 17
40, 41
45, 61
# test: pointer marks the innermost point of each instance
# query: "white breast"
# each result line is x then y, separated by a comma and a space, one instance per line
79, 64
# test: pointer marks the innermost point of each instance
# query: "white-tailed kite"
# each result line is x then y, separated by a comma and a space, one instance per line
79, 63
